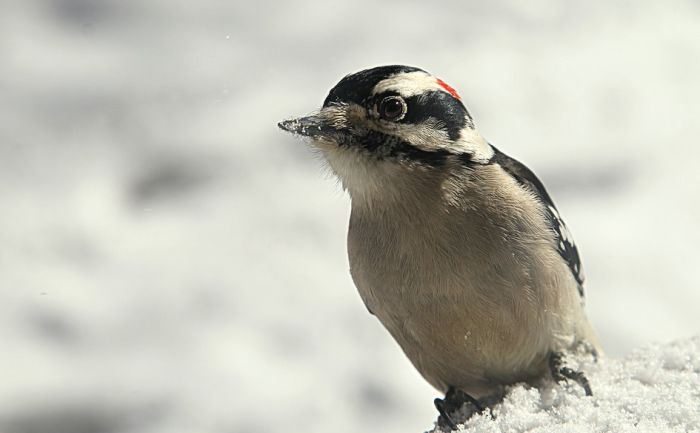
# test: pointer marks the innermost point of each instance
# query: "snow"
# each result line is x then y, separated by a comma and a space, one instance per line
654, 389
170, 261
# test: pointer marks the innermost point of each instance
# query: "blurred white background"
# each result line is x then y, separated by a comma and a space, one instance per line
171, 262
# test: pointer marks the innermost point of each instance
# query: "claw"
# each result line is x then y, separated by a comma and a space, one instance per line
560, 372
444, 419
453, 401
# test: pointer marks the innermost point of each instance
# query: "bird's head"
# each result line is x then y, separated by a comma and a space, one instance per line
391, 118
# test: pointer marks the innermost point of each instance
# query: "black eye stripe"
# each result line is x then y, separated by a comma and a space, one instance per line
440, 106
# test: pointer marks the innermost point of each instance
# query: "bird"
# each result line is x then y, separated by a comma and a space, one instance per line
457, 248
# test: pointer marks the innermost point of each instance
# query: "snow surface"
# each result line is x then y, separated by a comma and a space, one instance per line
655, 389
172, 262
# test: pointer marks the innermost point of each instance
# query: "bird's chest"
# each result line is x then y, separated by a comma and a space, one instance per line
446, 282
405, 270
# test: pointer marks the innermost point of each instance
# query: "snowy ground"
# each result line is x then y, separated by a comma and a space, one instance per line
171, 262
655, 389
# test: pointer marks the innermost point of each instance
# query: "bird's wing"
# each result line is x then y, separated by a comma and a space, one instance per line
565, 242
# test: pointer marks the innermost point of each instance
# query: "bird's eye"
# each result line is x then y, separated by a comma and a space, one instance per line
392, 108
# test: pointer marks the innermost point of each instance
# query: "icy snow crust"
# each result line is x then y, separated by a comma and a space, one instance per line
656, 389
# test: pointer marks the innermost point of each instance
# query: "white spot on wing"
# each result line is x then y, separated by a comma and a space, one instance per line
563, 229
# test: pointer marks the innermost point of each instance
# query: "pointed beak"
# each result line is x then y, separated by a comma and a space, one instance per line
310, 126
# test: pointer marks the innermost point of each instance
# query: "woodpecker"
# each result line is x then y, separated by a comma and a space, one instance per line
454, 246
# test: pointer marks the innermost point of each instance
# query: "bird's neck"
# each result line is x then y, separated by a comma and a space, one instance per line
375, 184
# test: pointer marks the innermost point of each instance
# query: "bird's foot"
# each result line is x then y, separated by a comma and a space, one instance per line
453, 402
562, 373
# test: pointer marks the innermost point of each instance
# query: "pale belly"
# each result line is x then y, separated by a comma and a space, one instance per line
463, 324
449, 346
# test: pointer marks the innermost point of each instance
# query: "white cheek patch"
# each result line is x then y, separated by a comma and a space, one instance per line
428, 135
409, 84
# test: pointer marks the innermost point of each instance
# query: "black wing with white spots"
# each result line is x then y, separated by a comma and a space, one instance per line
565, 242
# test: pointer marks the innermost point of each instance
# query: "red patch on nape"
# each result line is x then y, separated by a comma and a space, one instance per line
449, 89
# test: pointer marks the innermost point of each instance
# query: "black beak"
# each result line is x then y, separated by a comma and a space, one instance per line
309, 126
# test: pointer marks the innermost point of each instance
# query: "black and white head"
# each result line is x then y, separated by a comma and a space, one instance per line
391, 118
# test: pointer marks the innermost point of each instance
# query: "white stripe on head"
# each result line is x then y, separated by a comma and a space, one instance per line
408, 84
